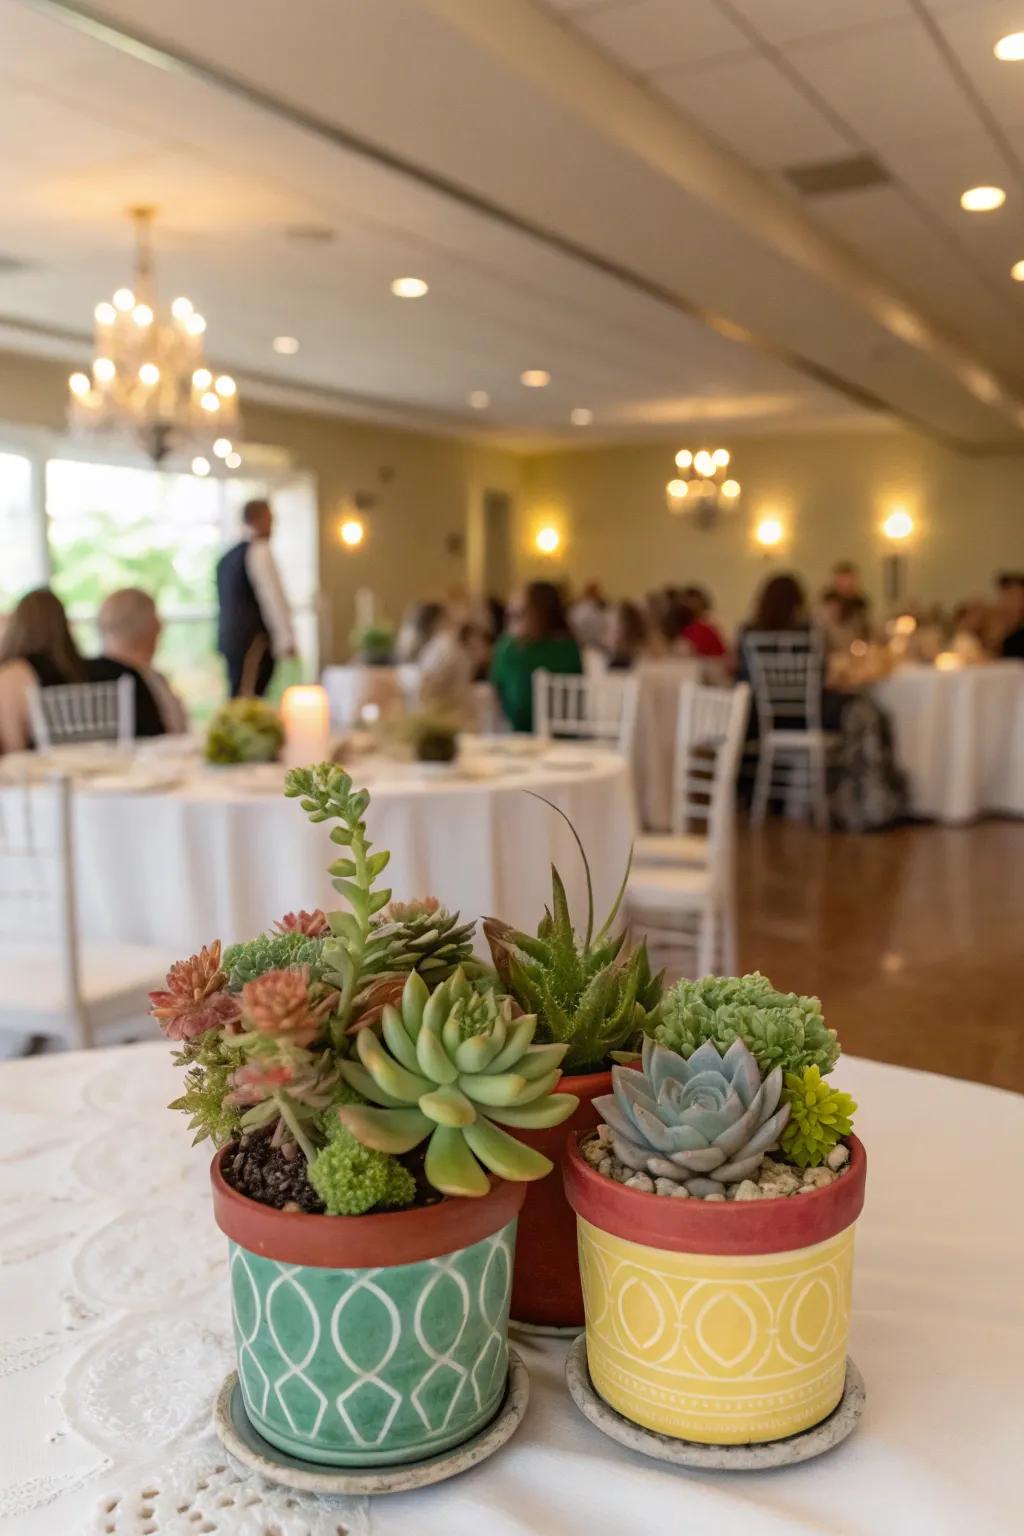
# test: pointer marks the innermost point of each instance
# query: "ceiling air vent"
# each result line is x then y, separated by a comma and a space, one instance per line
826, 178
9, 265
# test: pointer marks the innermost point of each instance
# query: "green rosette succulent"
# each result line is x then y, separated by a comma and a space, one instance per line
452, 1067
819, 1116
705, 1122
272, 952
782, 1029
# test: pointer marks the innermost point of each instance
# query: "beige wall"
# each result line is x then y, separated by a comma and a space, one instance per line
435, 485
831, 491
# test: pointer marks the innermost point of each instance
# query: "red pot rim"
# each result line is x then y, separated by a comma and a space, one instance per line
381, 1241
690, 1226
585, 1085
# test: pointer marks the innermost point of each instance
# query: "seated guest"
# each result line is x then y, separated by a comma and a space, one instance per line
447, 665
972, 629
629, 639
419, 624
1010, 587
38, 648
701, 633
130, 629
589, 618
538, 638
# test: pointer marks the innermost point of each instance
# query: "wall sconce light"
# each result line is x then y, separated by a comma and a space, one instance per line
547, 540
769, 532
351, 532
898, 525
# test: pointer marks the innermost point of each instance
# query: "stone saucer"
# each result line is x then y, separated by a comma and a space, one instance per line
238, 1436
564, 1331
842, 1421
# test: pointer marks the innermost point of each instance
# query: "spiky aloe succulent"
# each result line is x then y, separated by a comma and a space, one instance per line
705, 1122
455, 1065
424, 936
594, 997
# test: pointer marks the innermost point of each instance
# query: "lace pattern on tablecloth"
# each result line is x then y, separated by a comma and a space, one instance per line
115, 1328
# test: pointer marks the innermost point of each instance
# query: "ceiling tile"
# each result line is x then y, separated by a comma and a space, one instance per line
783, 21
655, 34
754, 109
889, 82
972, 34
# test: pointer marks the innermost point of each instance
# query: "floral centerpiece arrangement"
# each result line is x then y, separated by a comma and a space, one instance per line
244, 731
722, 1184
367, 1083
592, 994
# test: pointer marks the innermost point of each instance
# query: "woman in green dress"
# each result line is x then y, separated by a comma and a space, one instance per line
538, 637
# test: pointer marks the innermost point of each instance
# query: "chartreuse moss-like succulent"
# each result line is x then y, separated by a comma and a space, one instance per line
595, 996
452, 1068
819, 1116
352, 1179
705, 1122
780, 1028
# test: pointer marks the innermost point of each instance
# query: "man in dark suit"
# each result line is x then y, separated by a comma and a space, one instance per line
254, 627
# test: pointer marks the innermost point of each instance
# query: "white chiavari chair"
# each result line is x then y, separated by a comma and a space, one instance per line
83, 712
681, 893
787, 670
52, 982
601, 708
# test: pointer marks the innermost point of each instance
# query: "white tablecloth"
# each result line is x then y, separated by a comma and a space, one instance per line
215, 859
960, 738
114, 1335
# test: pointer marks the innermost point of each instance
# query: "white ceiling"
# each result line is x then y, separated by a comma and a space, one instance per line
626, 240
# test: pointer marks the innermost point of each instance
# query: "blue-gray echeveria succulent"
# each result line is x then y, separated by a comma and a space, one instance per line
706, 1121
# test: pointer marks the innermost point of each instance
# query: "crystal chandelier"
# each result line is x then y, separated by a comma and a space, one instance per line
150, 383
705, 491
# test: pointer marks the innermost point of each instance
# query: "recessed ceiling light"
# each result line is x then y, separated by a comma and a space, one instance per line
1017, 271
581, 416
479, 399
409, 288
1010, 48
982, 199
286, 345
535, 378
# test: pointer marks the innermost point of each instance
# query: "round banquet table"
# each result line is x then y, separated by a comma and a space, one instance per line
114, 1335
224, 854
959, 736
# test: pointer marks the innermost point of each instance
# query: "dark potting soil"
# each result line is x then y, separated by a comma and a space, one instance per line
260, 1170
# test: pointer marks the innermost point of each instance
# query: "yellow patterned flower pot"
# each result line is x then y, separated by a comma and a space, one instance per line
724, 1324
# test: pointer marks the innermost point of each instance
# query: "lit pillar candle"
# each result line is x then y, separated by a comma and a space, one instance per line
305, 715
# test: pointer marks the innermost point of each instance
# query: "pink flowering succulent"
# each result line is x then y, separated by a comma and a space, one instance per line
195, 1000
279, 1004
313, 924
408, 911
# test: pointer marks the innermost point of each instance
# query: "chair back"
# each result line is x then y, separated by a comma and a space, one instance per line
588, 708
712, 724
787, 669
37, 884
83, 712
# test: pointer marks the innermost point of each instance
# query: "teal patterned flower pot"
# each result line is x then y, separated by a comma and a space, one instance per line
364, 1341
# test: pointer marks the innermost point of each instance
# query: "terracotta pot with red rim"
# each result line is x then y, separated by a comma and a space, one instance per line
724, 1323
365, 1341
546, 1281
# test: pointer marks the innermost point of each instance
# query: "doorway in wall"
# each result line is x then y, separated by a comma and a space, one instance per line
496, 564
